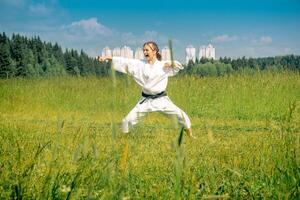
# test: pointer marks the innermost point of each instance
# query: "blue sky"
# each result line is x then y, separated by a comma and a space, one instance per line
235, 28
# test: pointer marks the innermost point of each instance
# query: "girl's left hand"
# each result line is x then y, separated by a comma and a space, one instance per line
168, 65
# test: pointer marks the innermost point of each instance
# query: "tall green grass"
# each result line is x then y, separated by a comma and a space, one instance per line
58, 139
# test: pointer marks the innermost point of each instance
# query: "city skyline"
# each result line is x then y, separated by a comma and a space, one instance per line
190, 52
249, 28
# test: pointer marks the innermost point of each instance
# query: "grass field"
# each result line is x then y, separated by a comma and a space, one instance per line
60, 138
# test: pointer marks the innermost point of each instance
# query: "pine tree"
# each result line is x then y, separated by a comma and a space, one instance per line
18, 48
5, 60
30, 64
58, 54
54, 68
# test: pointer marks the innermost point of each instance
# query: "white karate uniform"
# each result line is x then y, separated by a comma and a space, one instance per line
153, 79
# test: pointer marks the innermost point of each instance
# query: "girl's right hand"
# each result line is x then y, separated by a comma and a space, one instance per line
104, 58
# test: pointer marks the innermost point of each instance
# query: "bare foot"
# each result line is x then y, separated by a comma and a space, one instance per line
190, 133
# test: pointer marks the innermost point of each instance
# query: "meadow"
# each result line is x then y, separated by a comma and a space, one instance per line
60, 138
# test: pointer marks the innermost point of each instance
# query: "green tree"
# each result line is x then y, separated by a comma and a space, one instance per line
85, 65
18, 49
30, 64
221, 68
206, 69
58, 54
72, 62
54, 68
5, 60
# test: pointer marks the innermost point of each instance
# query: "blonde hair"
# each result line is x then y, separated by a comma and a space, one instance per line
154, 47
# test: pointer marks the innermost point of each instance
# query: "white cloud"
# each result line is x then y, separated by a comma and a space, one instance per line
151, 34
86, 29
138, 40
92, 51
265, 40
129, 39
224, 38
287, 50
92, 36
261, 41
91, 25
39, 9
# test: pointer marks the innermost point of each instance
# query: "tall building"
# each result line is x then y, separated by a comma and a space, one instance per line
210, 52
117, 52
165, 54
202, 52
126, 52
139, 54
190, 54
207, 52
106, 51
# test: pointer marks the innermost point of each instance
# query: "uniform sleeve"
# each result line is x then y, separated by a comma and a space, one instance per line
126, 65
173, 71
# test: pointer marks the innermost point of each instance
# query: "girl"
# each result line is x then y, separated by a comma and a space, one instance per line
152, 77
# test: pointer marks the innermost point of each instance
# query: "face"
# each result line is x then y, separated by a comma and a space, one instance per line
149, 53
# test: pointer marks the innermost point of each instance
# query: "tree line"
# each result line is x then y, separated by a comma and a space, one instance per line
30, 57
223, 66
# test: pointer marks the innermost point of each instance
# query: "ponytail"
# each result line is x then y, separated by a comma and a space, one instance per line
158, 56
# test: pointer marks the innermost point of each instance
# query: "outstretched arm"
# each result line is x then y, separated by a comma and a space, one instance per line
172, 68
124, 65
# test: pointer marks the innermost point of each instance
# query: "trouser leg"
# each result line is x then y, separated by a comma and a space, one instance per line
171, 109
133, 117
163, 104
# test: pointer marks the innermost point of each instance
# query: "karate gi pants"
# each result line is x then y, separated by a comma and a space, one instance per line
162, 104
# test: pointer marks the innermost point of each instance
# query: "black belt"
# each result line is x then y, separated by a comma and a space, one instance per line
152, 96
